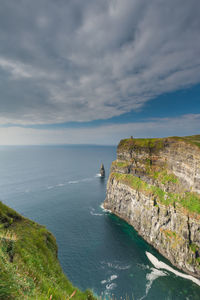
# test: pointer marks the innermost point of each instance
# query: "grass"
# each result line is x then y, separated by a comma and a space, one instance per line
155, 144
164, 176
121, 164
136, 144
29, 268
194, 247
169, 233
173, 237
196, 250
190, 201
160, 174
193, 139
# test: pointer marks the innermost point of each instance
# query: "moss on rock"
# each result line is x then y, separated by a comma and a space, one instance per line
188, 200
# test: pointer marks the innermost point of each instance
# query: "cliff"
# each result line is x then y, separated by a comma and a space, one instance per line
155, 186
29, 268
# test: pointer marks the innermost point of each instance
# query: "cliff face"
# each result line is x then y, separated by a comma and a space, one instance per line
155, 186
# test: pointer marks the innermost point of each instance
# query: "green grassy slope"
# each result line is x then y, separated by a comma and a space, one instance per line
155, 143
29, 268
193, 139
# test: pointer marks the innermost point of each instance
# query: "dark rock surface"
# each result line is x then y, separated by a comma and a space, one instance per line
102, 171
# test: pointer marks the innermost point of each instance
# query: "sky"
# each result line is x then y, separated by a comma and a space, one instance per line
97, 71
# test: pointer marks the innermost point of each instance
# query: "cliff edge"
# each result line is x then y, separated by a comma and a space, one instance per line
155, 186
29, 268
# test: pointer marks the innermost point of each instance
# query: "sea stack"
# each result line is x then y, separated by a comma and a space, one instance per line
102, 171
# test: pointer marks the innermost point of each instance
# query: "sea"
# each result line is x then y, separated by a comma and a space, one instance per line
60, 187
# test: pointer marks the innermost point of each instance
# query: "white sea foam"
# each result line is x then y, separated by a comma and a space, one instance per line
80, 180
113, 277
93, 213
73, 181
125, 267
60, 184
98, 175
50, 187
155, 273
143, 266
160, 265
86, 179
116, 265
104, 209
110, 286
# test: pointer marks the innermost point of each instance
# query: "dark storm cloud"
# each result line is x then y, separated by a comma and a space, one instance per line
84, 60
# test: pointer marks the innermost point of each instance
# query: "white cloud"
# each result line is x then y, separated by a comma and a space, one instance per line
107, 134
17, 69
85, 60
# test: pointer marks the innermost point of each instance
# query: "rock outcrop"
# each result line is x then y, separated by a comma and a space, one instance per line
102, 171
155, 186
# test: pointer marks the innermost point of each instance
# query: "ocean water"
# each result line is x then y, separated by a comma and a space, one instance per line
59, 187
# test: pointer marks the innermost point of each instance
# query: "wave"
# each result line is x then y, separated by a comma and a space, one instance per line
61, 184
73, 181
119, 267
116, 265
143, 266
88, 179
50, 187
98, 175
93, 213
111, 286
161, 265
104, 209
113, 277
155, 273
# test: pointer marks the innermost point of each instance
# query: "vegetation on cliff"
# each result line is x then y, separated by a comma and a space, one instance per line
189, 201
166, 168
157, 173
130, 144
154, 144
29, 268
155, 186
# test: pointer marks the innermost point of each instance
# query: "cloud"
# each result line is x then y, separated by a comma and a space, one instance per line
79, 60
106, 134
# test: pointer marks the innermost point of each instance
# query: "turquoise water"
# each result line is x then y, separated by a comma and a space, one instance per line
60, 188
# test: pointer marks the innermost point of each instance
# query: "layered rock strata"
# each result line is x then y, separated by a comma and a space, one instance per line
155, 186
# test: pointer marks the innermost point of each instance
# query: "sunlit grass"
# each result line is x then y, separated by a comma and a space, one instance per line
155, 144
29, 268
